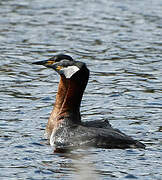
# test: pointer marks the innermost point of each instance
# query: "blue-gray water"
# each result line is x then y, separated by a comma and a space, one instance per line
121, 42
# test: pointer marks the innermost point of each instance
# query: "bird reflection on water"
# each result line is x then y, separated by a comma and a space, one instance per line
64, 129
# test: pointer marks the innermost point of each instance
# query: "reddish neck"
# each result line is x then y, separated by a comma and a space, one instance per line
76, 86
62, 88
68, 100
61, 93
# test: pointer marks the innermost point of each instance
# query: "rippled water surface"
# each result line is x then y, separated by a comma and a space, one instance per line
121, 42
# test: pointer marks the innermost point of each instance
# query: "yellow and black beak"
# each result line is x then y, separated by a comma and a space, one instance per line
45, 62
53, 60
62, 64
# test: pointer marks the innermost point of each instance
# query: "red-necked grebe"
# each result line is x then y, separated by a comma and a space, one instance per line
65, 129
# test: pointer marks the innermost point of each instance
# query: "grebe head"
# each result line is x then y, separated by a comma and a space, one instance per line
63, 65
54, 59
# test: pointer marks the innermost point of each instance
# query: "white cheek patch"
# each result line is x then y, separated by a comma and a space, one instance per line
69, 71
